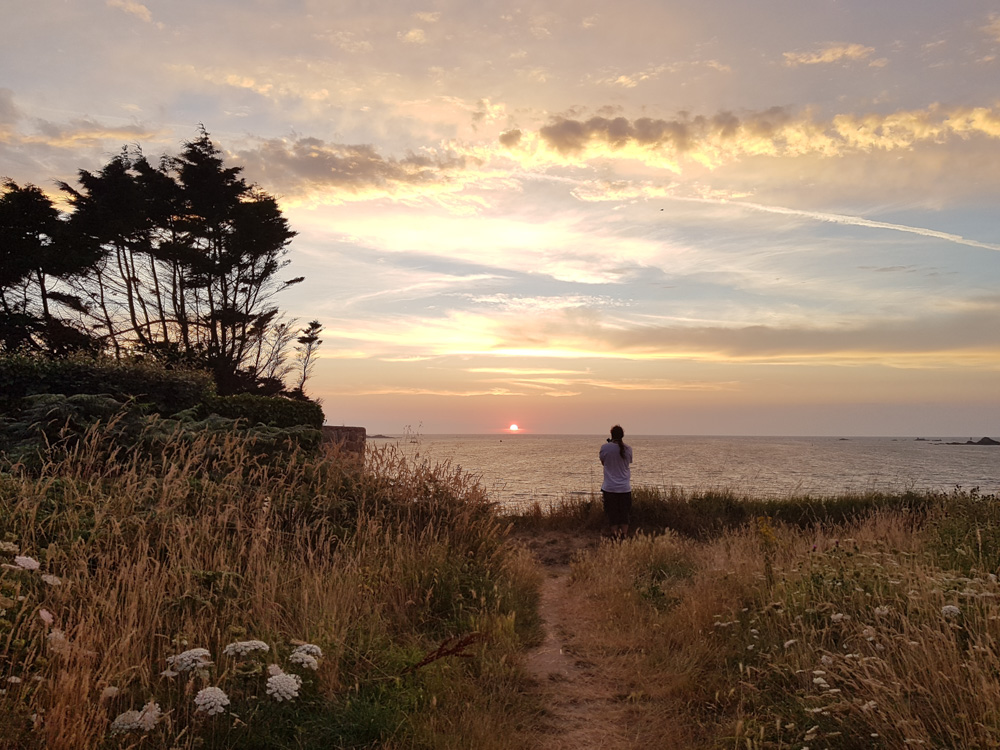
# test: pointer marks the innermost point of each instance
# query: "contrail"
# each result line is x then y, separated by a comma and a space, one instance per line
860, 222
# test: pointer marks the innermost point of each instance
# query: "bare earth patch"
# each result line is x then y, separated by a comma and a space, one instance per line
582, 683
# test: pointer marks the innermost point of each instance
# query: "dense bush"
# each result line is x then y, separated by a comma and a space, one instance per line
165, 391
53, 426
268, 410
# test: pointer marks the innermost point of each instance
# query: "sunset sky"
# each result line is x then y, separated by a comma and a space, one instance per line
729, 217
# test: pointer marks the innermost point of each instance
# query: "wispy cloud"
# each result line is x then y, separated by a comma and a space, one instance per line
830, 54
862, 222
413, 36
993, 26
133, 8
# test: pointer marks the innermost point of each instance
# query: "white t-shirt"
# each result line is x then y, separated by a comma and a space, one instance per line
617, 474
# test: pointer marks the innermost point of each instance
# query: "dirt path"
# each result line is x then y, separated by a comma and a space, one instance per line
578, 682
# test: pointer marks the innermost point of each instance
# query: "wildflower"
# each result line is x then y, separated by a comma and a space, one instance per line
13, 680
195, 658
57, 640
109, 692
311, 649
881, 611
827, 661
869, 634
837, 616
26, 563
46, 616
869, 706
273, 669
950, 610
283, 687
149, 715
211, 700
127, 721
51, 579
144, 720
304, 660
242, 648
9, 547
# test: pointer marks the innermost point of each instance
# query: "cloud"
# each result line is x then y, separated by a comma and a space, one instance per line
415, 391
413, 36
632, 79
359, 169
993, 26
133, 8
347, 41
510, 138
830, 54
86, 131
726, 137
428, 17
862, 222
9, 113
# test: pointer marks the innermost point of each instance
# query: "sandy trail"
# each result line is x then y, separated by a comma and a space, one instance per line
578, 681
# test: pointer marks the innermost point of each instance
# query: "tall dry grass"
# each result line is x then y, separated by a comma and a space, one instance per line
868, 634
207, 542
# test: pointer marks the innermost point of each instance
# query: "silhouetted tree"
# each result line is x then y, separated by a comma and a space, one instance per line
32, 257
308, 344
185, 263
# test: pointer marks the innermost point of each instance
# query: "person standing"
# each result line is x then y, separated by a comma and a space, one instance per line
616, 490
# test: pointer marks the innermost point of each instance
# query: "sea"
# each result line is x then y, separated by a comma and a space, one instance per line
517, 470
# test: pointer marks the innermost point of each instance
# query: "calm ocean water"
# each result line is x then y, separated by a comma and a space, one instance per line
517, 469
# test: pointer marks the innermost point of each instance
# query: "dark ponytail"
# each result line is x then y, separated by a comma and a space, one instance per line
617, 436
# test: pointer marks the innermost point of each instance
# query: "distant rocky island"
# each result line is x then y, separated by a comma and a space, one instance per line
981, 441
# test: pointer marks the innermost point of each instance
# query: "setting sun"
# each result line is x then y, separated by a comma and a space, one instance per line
514, 428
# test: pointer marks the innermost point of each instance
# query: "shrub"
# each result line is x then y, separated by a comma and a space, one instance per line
268, 410
165, 391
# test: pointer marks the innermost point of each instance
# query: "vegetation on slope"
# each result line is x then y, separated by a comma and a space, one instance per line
130, 581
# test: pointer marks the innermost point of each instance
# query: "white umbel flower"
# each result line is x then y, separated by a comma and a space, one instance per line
950, 610
51, 579
242, 648
26, 563
284, 687
194, 658
304, 660
127, 721
9, 547
131, 721
149, 715
309, 648
211, 700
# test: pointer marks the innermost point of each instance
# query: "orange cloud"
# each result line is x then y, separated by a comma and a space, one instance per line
711, 141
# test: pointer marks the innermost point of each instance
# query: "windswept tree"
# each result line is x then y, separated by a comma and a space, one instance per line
235, 238
33, 261
186, 258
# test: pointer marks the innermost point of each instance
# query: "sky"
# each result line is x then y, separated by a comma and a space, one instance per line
778, 217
